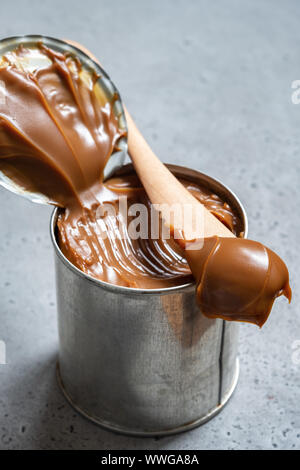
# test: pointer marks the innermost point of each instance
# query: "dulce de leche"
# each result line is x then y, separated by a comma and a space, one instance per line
56, 134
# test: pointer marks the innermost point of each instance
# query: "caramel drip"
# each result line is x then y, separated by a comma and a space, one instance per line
238, 279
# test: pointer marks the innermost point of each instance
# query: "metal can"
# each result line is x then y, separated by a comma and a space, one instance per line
143, 362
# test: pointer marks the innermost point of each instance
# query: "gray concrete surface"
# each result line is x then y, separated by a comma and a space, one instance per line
209, 83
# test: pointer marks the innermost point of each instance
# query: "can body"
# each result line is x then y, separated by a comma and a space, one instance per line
142, 362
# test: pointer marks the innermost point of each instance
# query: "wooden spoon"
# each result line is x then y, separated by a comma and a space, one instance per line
161, 185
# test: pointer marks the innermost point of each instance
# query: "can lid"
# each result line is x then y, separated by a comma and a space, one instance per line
36, 60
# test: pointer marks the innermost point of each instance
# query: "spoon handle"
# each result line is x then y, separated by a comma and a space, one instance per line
160, 184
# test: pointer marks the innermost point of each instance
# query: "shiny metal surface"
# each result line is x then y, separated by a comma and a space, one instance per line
117, 158
143, 362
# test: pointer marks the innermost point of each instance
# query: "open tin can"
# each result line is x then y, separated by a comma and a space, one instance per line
143, 362
136, 361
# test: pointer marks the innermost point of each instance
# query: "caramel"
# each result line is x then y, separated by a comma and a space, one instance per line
119, 259
57, 132
238, 279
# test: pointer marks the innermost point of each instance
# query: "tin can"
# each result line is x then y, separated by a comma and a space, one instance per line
143, 362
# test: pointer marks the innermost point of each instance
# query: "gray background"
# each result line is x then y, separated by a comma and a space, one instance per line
209, 84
